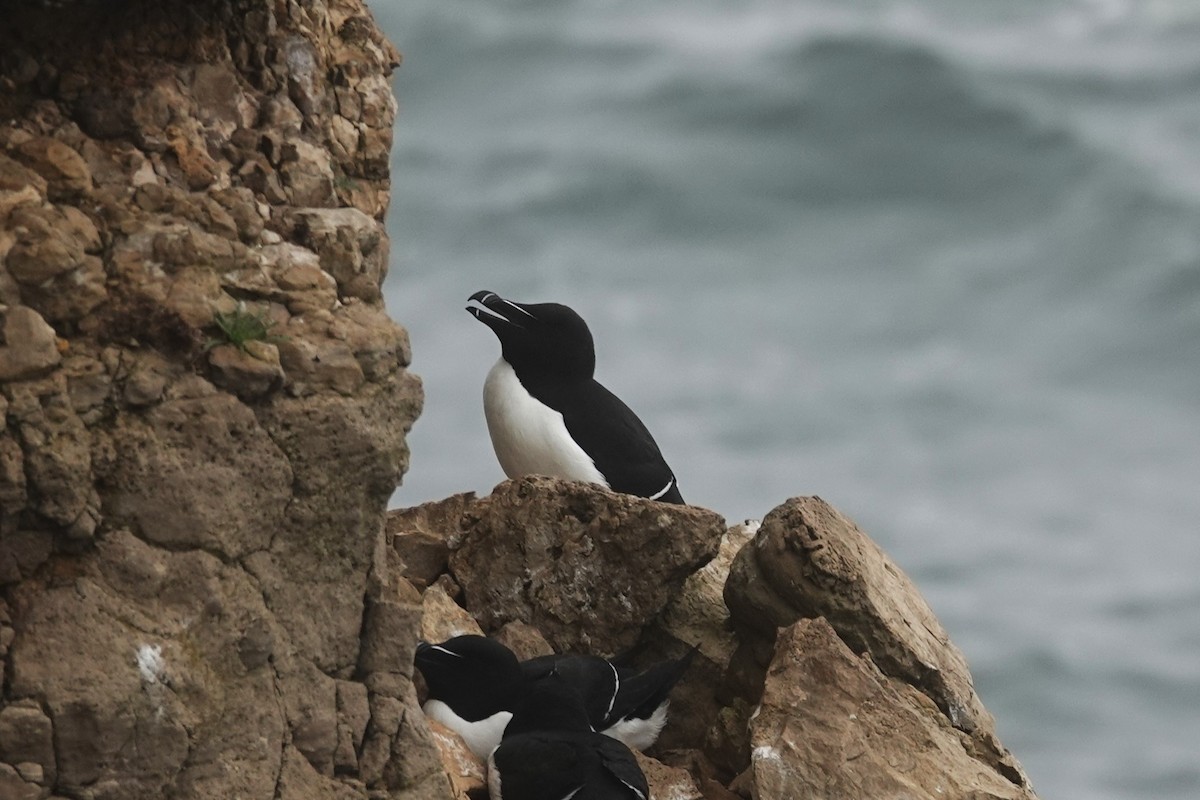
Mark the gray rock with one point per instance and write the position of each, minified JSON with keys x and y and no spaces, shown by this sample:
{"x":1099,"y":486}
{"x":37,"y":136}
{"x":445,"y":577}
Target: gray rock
{"x":354,"y":713}
{"x":66,"y":173}
{"x":809,"y":561}
{"x":57,"y":455}
{"x":350,"y":244}
{"x":831,"y":725}
{"x":198,"y":473}
{"x":27,"y":736}
{"x":587,"y":567}
{"x":252,"y":371}
{"x":29,"y":347}
{"x":14,"y":787}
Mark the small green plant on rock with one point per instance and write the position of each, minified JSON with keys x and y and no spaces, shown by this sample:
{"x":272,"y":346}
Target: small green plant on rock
{"x":241,"y":326}
{"x":344,"y":183}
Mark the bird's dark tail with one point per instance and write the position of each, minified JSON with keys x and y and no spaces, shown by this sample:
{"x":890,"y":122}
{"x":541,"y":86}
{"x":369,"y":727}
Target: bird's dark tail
{"x":643,"y":693}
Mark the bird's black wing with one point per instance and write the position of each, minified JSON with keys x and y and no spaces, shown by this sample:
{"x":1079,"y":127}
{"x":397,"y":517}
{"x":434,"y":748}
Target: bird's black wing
{"x":540,"y":766}
{"x":618,"y":762}
{"x":540,"y":666}
{"x":550,"y":765}
{"x":618,"y":442}
{"x":643,"y":693}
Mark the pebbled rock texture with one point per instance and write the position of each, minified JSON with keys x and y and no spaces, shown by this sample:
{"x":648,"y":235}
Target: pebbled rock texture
{"x":203,"y":407}
{"x":588,"y":568}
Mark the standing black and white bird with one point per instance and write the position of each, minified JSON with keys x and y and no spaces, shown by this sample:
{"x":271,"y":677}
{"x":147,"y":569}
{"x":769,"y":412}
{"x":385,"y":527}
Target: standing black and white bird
{"x":475,"y":684}
{"x":550,"y":752}
{"x":547,"y":414}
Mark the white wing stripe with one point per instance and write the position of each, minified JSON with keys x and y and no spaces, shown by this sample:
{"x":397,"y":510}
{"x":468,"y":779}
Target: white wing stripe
{"x":634,"y":789}
{"x":616,"y":688}
{"x":663,"y":490}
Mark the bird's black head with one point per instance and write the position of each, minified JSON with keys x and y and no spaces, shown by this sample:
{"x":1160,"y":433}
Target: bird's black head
{"x":474,"y":675}
{"x":538,"y":338}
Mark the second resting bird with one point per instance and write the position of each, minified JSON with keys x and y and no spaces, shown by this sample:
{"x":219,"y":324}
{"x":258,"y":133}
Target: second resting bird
{"x":547,"y":414}
{"x":550,"y":752}
{"x":475,"y":684}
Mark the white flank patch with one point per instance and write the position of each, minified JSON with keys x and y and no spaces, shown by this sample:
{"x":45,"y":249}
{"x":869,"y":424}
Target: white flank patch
{"x":639,"y":733}
{"x":150,"y":663}
{"x":481,"y":736}
{"x":493,"y":778}
{"x":529,"y":437}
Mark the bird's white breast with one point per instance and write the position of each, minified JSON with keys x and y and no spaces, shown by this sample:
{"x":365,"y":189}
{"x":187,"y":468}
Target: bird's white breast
{"x":481,"y":736}
{"x":529,"y":437}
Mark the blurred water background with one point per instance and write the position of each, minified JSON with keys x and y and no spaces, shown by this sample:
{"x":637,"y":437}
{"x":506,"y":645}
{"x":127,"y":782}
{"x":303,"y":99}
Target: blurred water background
{"x":937,"y":261}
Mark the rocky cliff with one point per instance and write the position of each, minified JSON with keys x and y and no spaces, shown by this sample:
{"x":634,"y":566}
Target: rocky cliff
{"x":821,"y":670}
{"x":204,"y":408}
{"x":203,"y":405}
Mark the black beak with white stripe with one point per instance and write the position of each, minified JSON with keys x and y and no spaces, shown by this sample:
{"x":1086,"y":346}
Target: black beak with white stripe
{"x":546,"y":413}
{"x":549,"y":752}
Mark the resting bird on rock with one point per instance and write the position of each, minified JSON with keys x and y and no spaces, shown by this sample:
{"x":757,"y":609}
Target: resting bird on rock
{"x":548,"y":415}
{"x":476,"y":683}
{"x":550,"y":752}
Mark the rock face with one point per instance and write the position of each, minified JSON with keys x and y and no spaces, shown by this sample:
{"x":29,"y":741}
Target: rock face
{"x":587,"y":568}
{"x":809,"y":561}
{"x":195,"y":599}
{"x":821,"y":672}
{"x":832,"y":725}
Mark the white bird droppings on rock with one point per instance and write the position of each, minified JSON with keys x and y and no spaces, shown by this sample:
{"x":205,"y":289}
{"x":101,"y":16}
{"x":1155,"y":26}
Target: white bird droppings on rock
{"x":150,"y":663}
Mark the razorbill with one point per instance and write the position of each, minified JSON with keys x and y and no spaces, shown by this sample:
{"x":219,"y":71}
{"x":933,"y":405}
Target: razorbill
{"x":550,"y":752}
{"x":546,"y":413}
{"x":475,"y":683}
{"x":620,"y":702}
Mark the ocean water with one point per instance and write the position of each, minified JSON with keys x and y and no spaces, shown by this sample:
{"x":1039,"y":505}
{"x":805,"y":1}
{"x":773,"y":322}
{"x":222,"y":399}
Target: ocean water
{"x":937,"y":261}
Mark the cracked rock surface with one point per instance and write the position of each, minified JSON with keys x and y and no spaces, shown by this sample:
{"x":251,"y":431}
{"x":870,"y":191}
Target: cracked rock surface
{"x":195,"y":600}
{"x":820,"y":670}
